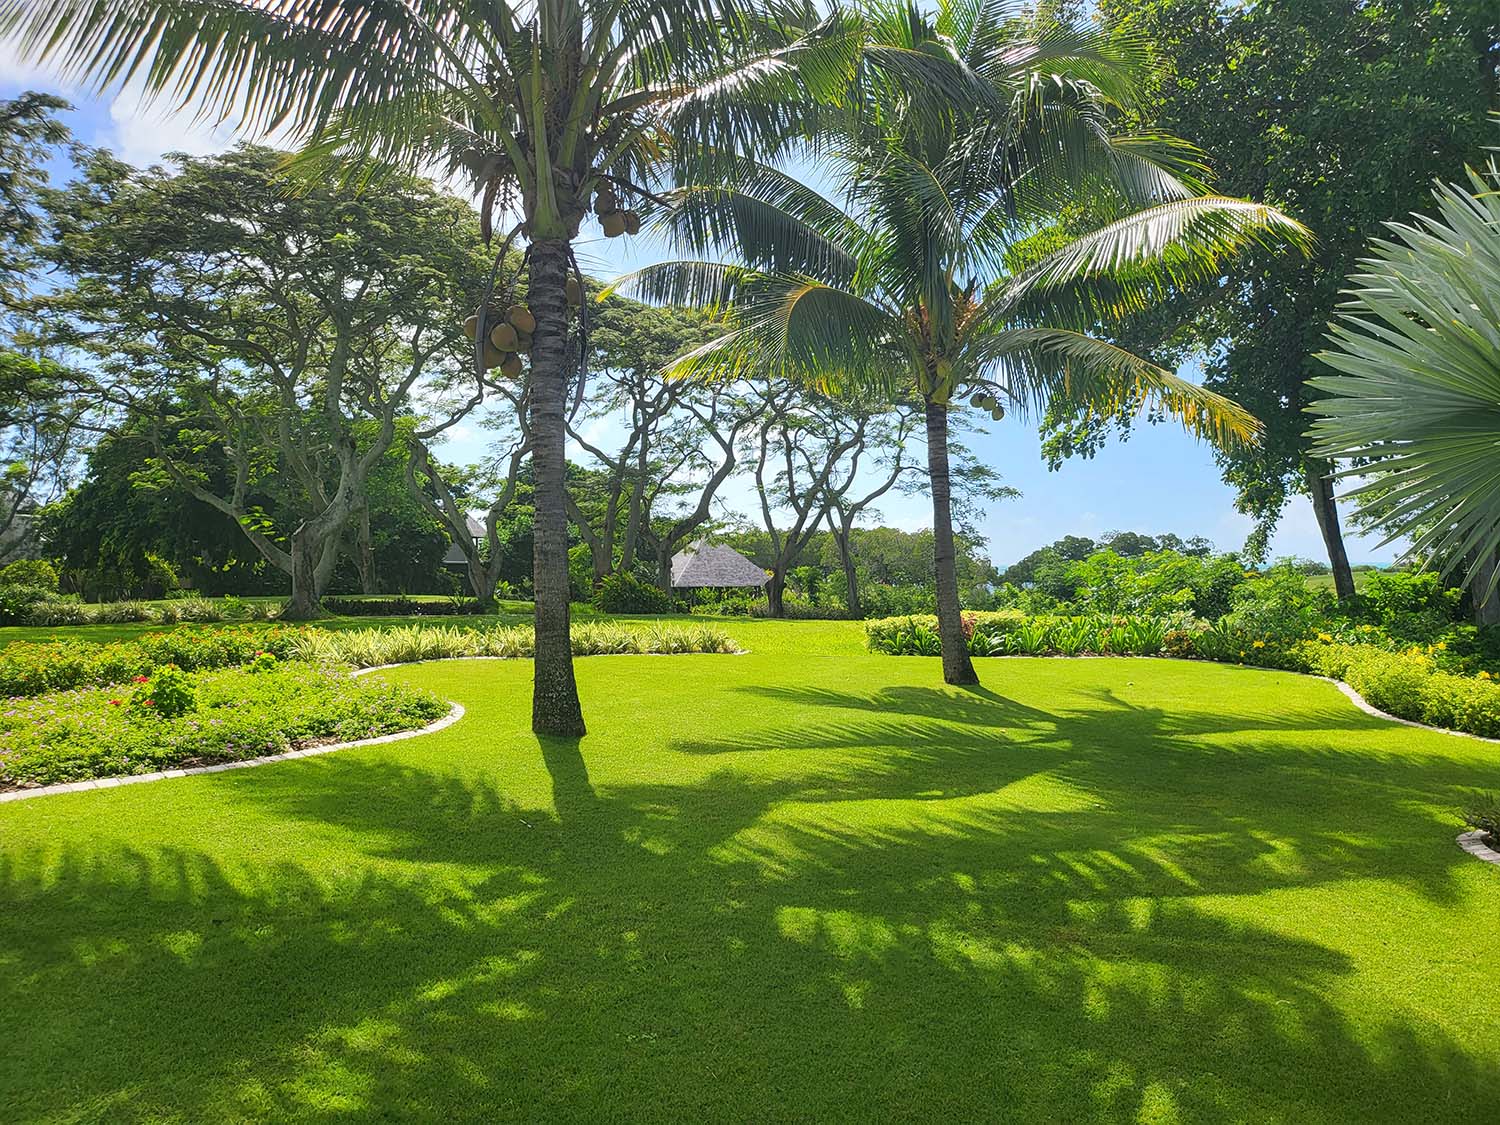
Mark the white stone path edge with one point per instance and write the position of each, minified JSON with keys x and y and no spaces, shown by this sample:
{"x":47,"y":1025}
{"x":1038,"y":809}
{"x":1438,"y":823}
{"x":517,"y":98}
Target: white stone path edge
{"x":455,"y":713}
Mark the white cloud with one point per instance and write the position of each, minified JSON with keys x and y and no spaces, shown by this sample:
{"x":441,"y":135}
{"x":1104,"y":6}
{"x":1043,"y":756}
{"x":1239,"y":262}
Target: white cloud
{"x":18,"y":72}
{"x":141,"y":131}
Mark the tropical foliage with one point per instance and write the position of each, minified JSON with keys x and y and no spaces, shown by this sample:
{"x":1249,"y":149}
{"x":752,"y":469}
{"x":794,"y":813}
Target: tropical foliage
{"x":1342,"y":113}
{"x":1415,"y":406}
{"x":928,"y":281}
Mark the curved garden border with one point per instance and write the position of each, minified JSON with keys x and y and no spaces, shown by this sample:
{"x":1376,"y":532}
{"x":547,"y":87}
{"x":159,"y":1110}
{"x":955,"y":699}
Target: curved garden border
{"x":1473,"y":843}
{"x":455,"y":712}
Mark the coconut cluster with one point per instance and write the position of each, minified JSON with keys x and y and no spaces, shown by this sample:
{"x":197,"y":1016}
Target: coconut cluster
{"x":986,"y":401}
{"x":508,"y":339}
{"x":612,"y":218}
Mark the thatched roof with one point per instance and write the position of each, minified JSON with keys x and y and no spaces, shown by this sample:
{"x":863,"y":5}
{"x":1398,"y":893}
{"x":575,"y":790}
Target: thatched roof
{"x":702,"y":565}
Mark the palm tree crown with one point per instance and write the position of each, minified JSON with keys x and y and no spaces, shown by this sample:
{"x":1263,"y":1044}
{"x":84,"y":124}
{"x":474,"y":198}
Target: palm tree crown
{"x":924,"y":279}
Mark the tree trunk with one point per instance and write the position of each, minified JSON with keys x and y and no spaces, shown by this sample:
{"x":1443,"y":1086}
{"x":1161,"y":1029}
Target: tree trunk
{"x":364,"y":559}
{"x":1319,"y":480}
{"x":776,"y":594}
{"x":305,"y":604}
{"x":555,"y":709}
{"x":841,"y":537}
{"x":1486,"y":604}
{"x":957,"y":667}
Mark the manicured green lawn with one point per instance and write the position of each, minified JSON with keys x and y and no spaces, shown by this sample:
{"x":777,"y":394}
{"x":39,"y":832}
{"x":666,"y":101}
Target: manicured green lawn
{"x":805,"y":883}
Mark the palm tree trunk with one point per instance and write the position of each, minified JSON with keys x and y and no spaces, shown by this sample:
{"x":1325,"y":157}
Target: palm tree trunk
{"x":1319,"y":479}
{"x":555,"y":709}
{"x":957,"y":667}
{"x":1486,"y":604}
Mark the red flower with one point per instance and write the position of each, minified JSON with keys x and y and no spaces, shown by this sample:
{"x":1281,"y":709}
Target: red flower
{"x":150,"y":703}
{"x":142,"y":679}
{"x":114,"y":702}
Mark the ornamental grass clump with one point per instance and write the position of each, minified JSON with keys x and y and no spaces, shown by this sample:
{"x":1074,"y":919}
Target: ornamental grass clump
{"x":405,"y":644}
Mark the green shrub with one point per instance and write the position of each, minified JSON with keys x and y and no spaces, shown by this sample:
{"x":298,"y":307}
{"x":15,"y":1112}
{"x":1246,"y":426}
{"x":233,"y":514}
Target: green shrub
{"x":880,"y":599}
{"x":1410,"y":685}
{"x":728,"y":605}
{"x":1010,"y":632}
{"x":18,"y":603}
{"x":1409,"y":605}
{"x":30,"y":572}
{"x":369,"y":648}
{"x":1279,"y":609}
{"x":92,"y":732}
{"x":797,"y":609}
{"x":625,"y":593}
{"x":167,"y":693}
{"x":400,"y":606}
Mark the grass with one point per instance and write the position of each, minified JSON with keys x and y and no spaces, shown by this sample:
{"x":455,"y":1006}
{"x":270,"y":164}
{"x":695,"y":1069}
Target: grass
{"x":807,"y":883}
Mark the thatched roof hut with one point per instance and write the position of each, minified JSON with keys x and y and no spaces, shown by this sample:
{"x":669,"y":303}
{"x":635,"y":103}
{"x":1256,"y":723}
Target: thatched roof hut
{"x":702,"y":567}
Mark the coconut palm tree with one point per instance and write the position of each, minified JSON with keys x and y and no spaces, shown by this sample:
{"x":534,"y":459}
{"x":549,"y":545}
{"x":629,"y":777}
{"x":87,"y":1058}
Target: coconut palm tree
{"x":1416,"y":403}
{"x":943,"y":272}
{"x":550,"y":108}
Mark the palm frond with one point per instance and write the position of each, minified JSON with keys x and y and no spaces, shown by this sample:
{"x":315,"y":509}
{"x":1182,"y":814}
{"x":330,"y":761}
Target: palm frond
{"x":1179,"y":243}
{"x":1037,"y":366}
{"x":292,"y":64}
{"x":1416,"y":401}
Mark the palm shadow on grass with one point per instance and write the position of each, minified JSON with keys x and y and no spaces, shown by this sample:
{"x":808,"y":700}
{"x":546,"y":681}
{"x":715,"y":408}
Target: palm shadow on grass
{"x":805,"y":944}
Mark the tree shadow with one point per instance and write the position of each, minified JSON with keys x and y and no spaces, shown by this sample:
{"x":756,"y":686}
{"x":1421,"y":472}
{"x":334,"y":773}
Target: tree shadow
{"x":970,"y":909}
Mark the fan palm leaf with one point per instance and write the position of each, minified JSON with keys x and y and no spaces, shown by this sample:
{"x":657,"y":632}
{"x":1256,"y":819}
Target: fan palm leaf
{"x":1415,"y":403}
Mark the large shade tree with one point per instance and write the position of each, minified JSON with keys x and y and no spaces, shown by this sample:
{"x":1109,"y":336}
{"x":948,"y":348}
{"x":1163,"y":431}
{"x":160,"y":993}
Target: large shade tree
{"x":929,"y":278}
{"x":1415,"y":406}
{"x":545,"y":107}
{"x":1343,"y":112}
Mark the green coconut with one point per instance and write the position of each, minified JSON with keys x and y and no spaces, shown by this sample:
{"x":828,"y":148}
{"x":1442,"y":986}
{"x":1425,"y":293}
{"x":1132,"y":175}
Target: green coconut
{"x":510,"y":367}
{"x":504,"y":336}
{"x":632,"y":222}
{"x":574,"y":292}
{"x":613,"y":224}
{"x":521,"y":317}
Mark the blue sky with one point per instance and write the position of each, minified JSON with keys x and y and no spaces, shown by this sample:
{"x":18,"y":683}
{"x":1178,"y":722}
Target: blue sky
{"x":1160,"y":480}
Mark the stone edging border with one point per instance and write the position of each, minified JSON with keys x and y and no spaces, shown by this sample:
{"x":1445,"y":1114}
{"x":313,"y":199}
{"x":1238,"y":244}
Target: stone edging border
{"x":1473,"y":843}
{"x":1369,"y":709}
{"x":455,"y":713}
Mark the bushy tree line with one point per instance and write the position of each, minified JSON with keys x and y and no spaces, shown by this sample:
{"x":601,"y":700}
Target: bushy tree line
{"x":267,"y":382}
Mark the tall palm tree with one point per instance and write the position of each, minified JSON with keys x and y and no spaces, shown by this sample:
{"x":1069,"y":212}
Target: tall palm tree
{"x":938,"y":275}
{"x":546,"y":106}
{"x":1416,"y":401}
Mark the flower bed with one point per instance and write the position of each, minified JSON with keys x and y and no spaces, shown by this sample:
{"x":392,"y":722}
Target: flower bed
{"x":1416,"y":682}
{"x":31,"y":668}
{"x":172,"y":719}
